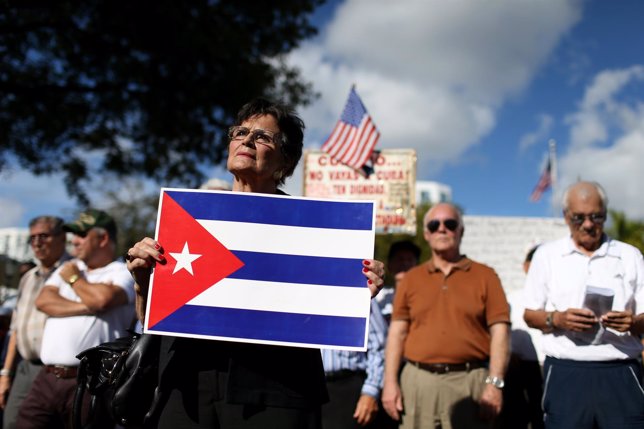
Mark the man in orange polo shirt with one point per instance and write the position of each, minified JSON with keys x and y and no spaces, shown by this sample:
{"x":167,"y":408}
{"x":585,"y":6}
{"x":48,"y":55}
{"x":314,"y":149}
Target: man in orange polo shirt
{"x":451,"y":324}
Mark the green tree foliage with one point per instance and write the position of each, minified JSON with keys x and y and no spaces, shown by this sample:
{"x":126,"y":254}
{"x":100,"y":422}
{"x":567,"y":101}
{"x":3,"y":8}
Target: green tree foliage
{"x":134,"y":210}
{"x":139,"y":88}
{"x":135,"y":213}
{"x":626,"y":230}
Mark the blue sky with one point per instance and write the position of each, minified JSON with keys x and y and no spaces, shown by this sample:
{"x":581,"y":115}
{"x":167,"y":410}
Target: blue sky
{"x":477,"y":88}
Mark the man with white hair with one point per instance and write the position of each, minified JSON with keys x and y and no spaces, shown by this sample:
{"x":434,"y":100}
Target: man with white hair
{"x":586,"y":293}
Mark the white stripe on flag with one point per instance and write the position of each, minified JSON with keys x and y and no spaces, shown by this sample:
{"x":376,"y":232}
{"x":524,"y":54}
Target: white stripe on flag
{"x":290,"y":240}
{"x":285,"y":298}
{"x":361,"y":146}
{"x":370,"y":143}
{"x":354,"y":147}
{"x":339,"y":140}
{"x":346,"y":144}
{"x":330,"y":144}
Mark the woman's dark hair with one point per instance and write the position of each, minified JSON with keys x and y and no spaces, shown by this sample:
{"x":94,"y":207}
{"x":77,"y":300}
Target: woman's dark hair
{"x":291,"y":130}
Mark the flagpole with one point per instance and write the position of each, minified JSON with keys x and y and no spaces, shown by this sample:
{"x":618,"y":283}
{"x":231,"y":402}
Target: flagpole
{"x":552,"y":153}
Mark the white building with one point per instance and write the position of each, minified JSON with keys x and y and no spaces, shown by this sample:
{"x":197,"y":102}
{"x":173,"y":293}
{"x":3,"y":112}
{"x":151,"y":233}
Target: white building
{"x":14,"y":248}
{"x":14,"y":245}
{"x":502,"y":243}
{"x":428,"y":192}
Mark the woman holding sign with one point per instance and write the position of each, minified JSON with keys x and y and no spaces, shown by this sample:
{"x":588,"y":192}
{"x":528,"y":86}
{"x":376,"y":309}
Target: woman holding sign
{"x":218,"y":384}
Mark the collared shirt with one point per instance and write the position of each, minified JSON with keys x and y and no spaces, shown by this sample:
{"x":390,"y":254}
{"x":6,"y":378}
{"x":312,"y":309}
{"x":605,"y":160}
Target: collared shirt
{"x":372,"y":361}
{"x":26,"y":319}
{"x":450,"y":315}
{"x":558,"y":279}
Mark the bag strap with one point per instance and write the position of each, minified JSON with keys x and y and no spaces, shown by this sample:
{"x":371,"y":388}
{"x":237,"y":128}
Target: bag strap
{"x":81,"y":381}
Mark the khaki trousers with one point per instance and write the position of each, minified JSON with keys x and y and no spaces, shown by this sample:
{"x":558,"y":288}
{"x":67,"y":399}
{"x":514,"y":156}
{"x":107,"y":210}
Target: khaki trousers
{"x":446,"y":401}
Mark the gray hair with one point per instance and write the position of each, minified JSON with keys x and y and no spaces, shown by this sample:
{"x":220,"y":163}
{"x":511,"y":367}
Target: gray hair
{"x":54,"y":222}
{"x":565,"y":200}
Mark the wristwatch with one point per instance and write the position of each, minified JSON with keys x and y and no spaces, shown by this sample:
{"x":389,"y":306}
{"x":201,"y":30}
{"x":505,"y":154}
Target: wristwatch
{"x":550,"y":320}
{"x":72,"y":279}
{"x":495,"y":381}
{"x":5,"y":372}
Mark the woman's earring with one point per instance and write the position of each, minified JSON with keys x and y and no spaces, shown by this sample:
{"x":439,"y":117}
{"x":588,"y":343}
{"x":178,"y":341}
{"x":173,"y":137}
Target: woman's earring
{"x":277,"y":176}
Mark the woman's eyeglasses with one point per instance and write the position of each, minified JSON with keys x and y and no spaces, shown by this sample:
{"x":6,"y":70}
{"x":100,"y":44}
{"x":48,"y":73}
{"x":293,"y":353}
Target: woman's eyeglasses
{"x":433,"y":225}
{"x":258,"y":136}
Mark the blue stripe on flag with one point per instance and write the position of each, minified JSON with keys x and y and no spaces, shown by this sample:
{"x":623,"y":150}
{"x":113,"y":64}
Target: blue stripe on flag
{"x":276,"y":211}
{"x":266,"y":325}
{"x":300,"y":269}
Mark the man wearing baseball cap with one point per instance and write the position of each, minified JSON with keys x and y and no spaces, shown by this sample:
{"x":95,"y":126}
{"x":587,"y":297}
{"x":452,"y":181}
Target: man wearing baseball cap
{"x":89,"y":300}
{"x":92,"y":218}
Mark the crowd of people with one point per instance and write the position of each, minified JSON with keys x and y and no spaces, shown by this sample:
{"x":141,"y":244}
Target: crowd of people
{"x":439,"y":351}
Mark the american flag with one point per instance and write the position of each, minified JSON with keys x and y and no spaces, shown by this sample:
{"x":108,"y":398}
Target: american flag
{"x":545,"y":181}
{"x":355,"y":135}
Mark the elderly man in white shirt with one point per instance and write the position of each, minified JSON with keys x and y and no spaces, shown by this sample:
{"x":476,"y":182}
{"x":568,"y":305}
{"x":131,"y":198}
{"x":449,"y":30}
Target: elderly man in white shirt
{"x":586,"y":293}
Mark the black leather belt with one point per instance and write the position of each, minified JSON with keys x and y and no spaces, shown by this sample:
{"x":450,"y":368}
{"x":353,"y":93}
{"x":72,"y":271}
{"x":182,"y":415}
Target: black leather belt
{"x":444,"y":368}
{"x":342,"y":373}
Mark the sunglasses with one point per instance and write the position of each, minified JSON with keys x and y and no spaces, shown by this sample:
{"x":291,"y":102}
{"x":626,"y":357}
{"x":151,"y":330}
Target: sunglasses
{"x":578,"y":219}
{"x":433,"y":225}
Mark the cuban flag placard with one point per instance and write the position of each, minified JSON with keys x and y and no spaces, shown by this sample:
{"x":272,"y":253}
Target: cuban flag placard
{"x":260,"y":268}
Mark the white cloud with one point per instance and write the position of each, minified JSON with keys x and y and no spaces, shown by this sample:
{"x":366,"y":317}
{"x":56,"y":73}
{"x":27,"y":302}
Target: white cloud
{"x":26,"y":196}
{"x":607,"y":84}
{"x":607,"y":140}
{"x":483,"y":48}
{"x":432,"y":74}
{"x":541,"y":134}
{"x":12,"y":212}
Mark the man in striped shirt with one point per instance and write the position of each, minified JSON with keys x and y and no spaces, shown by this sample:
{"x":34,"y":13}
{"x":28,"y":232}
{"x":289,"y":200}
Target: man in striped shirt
{"x":354,"y":379}
{"x":47,"y":240}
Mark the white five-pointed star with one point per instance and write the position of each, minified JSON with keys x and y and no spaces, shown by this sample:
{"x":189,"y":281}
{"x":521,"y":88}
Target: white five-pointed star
{"x":184,"y":259}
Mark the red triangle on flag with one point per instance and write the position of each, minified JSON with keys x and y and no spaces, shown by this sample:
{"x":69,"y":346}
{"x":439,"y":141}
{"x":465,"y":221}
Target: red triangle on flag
{"x":173,"y":285}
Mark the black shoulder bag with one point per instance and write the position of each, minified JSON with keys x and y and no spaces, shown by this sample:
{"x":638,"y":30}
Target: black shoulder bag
{"x":121,"y":378}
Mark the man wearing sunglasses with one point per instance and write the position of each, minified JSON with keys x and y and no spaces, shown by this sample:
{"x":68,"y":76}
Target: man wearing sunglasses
{"x":585,"y":292}
{"x":89,"y":301}
{"x":451,"y":324}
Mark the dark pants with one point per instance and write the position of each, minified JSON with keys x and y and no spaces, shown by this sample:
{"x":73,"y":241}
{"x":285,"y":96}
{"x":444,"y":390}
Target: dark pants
{"x":344,"y":391}
{"x":522,"y":396}
{"x":593,"y":395}
{"x":49,"y":403}
{"x":200,"y":403}
{"x":26,"y":372}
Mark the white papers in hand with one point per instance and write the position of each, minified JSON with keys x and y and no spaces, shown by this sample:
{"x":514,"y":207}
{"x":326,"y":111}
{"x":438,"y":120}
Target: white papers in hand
{"x":599,"y":300}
